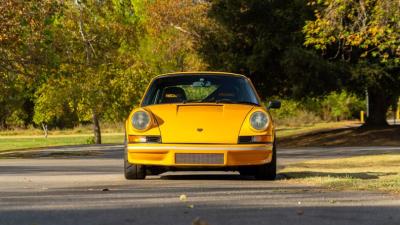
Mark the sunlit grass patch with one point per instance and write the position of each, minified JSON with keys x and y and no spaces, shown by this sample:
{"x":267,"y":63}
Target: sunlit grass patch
{"x":374,"y":173}
{"x":13,"y":142}
{"x":81,"y":129}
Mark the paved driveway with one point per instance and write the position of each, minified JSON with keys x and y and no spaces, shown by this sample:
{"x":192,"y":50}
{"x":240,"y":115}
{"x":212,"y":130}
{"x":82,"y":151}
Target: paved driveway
{"x":89,"y":188}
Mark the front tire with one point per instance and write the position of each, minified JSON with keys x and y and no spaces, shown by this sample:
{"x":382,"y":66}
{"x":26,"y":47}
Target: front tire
{"x":133,"y":171}
{"x":267,"y":171}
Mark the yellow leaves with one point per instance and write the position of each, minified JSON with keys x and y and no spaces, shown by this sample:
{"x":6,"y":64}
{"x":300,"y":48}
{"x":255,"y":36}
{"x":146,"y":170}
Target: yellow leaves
{"x":385,"y":55}
{"x":363,"y":24}
{"x":355,"y":39}
{"x":374,"y":30}
{"x":183,"y":198}
{"x":364,"y":54}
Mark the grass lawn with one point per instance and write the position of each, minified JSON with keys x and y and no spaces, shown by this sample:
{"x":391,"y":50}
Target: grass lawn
{"x":374,"y":173}
{"x":318,"y":127}
{"x":26,"y":142}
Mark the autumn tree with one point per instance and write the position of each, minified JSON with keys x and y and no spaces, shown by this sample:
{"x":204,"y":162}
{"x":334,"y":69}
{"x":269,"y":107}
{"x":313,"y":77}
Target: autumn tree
{"x":24,"y":57}
{"x":94,"y":42}
{"x":169,"y":41}
{"x":263,"y":40}
{"x":365,"y":34}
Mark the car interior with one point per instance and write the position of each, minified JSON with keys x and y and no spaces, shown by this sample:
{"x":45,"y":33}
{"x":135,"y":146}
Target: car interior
{"x":173,"y":95}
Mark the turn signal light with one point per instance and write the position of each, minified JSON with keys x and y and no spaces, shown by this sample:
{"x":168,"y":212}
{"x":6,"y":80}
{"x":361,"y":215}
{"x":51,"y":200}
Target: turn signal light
{"x":144,"y":139}
{"x":255,"y":139}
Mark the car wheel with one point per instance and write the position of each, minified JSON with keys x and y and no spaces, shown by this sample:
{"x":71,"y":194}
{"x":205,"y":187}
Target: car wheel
{"x":267,"y":171}
{"x":133,"y":171}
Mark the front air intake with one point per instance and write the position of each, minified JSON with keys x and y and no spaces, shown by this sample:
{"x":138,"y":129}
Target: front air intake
{"x":199,"y":158}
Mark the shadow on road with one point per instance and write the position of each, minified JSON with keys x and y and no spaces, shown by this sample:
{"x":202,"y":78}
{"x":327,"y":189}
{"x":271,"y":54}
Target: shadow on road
{"x":310,"y":174}
{"x":210,"y":214}
{"x":211,"y":177}
{"x":205,"y":177}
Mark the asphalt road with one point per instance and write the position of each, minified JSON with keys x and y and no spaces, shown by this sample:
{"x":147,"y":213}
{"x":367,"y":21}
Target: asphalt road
{"x":89,"y":188}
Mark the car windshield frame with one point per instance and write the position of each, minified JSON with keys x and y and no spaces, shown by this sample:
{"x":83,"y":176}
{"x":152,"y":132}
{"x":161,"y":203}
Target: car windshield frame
{"x":154,"y":90}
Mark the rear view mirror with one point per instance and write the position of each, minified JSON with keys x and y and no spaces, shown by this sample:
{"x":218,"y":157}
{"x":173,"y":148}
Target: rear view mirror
{"x":274,"y":105}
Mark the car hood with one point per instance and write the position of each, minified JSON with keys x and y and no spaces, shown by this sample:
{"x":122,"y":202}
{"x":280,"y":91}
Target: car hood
{"x":200,"y":123}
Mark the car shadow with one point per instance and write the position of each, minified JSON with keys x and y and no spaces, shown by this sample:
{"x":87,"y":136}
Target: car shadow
{"x":210,"y":177}
{"x":204,"y":177}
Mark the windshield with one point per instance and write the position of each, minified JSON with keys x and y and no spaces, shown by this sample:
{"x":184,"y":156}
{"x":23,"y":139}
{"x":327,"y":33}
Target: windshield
{"x":200,"y":89}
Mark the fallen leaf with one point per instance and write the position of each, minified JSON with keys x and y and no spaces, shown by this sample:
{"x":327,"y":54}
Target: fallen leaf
{"x":183,"y":198}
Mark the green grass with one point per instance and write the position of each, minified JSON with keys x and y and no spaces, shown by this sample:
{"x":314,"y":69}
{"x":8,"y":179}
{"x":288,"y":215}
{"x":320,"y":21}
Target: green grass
{"x":373,"y":173}
{"x":15,"y":142}
{"x":289,"y":131}
{"x":106,"y":128}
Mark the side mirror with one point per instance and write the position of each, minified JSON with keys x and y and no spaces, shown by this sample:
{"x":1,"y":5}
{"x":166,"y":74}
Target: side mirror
{"x":274,"y":105}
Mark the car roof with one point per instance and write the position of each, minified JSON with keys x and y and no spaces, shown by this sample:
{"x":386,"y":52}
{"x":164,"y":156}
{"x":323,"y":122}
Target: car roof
{"x":199,"y":73}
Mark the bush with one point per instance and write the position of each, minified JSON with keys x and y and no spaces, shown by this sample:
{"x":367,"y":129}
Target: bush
{"x":335,"y":106}
{"x":90,"y":141}
{"x":293,"y":114}
{"x":341,"y":106}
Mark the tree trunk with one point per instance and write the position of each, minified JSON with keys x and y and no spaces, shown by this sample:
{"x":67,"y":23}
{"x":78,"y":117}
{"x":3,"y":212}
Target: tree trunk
{"x":96,"y":128}
{"x":3,"y":124}
{"x":379,"y":104}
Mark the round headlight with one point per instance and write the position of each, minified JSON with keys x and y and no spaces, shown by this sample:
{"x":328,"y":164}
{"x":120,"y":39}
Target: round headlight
{"x":141,"y":120}
{"x":259,"y":120}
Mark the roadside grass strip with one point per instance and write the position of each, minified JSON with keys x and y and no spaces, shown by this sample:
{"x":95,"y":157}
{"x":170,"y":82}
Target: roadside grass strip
{"x":317,"y":127}
{"x":372,"y":173}
{"x":16,"y":143}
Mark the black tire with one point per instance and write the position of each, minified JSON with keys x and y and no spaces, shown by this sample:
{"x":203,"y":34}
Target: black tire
{"x":267,"y":171}
{"x":133,"y":171}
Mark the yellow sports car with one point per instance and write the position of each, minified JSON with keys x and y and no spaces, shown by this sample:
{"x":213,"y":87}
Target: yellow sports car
{"x":200,"y":121}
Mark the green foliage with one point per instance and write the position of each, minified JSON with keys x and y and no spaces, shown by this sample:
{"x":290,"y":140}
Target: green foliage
{"x":372,"y":27}
{"x":289,"y":108}
{"x":334,"y":106}
{"x":11,"y":98}
{"x":107,"y":54}
{"x":263,"y":40}
{"x":90,"y":140}
{"x":66,"y":63}
{"x":94,"y":43}
{"x":197,"y":93}
{"x":293,"y":114}
{"x":364,"y":35}
{"x":341,"y":106}
{"x":57,"y":102}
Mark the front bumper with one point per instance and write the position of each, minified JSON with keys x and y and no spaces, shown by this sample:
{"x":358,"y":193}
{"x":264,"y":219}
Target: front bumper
{"x":214,"y":155}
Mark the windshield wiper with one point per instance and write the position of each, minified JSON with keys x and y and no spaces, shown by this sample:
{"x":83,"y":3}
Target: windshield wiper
{"x":224,"y":101}
{"x":235,"y":102}
{"x":246,"y":103}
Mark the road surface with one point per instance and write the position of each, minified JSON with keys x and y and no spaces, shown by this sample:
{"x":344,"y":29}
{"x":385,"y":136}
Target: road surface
{"x":89,"y":189}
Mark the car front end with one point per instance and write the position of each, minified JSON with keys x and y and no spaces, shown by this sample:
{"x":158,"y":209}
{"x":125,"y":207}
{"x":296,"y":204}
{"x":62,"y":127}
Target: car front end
{"x":200,"y":130}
